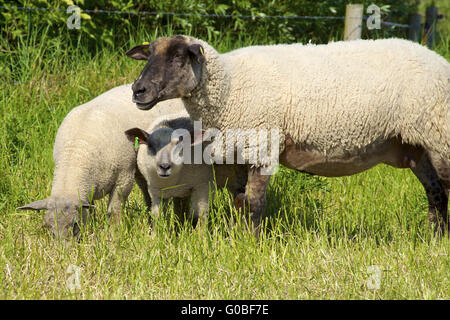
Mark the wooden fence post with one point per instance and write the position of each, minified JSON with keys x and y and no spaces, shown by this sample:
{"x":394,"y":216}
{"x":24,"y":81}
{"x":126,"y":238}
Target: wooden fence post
{"x":353,"y":21}
{"x":431,"y":18}
{"x":414,"y":32}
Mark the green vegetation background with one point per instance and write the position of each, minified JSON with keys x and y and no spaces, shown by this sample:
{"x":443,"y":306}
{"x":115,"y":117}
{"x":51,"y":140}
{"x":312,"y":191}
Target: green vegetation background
{"x":323,"y":235}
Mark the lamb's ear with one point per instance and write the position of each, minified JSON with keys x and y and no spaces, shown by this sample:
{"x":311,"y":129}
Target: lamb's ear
{"x":140,"y":52}
{"x":36,"y":205}
{"x":197,"y":52}
{"x":134,"y":133}
{"x":197,"y":137}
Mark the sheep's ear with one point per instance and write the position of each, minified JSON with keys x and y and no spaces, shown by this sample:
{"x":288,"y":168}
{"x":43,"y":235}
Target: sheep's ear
{"x":197,"y":52}
{"x":140,"y":52}
{"x":197,"y":137}
{"x":134,"y":133}
{"x":36,"y":205}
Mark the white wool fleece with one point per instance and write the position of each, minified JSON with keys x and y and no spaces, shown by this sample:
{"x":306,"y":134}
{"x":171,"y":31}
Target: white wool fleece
{"x":91,"y":151}
{"x":332,"y":98}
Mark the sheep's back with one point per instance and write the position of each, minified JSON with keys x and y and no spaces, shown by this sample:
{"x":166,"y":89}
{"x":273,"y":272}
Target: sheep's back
{"x":91,"y":147}
{"x":344,"y":94}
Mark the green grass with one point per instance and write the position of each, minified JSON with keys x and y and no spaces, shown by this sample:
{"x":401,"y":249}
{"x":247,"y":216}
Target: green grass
{"x":321,"y":234}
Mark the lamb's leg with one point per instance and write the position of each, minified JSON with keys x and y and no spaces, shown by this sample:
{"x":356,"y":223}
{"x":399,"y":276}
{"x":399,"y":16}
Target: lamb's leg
{"x":200,"y":203}
{"x":254,"y":197}
{"x":436,"y":192}
{"x":158,"y":209}
{"x":117,"y":199}
{"x":142,"y":184}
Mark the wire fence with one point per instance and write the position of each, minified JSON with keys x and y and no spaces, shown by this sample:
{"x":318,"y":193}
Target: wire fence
{"x":391,"y":25}
{"x":200,"y":15}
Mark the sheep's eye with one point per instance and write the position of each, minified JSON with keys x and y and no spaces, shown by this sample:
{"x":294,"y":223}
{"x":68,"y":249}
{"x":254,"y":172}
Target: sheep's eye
{"x":177,"y":56}
{"x":151,"y":148}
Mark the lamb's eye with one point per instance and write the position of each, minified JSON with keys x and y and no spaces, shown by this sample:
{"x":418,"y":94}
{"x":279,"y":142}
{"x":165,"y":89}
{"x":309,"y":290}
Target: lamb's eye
{"x":151,"y":148}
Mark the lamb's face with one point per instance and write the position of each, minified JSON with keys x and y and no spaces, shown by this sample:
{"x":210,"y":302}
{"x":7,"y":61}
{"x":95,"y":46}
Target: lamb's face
{"x":173,"y":70}
{"x":62,"y":215}
{"x":166,"y":152}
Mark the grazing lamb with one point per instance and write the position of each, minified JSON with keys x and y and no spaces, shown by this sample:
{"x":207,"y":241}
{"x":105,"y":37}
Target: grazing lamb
{"x":171,"y":173}
{"x":340,"y":108}
{"x":93,"y":158}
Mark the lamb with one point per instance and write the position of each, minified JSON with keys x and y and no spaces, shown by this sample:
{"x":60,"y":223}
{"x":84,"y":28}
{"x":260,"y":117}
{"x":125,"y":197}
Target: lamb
{"x":340,"y":108}
{"x":93,"y":158}
{"x":170,"y":171}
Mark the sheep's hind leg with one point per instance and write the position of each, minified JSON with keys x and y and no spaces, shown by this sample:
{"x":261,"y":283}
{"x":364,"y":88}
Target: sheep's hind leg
{"x":241,"y":173}
{"x":436,"y":192}
{"x":443,"y":170}
{"x":254,"y":197}
{"x":442,"y":167}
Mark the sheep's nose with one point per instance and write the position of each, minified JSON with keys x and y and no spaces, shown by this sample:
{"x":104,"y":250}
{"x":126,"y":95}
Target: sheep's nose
{"x":165,"y":166}
{"x":138,"y":90}
{"x":138,"y":93}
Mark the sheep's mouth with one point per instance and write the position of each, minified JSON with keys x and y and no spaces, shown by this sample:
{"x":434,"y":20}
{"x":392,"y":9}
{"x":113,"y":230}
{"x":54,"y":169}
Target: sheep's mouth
{"x":146,"y":105}
{"x":164,"y":175}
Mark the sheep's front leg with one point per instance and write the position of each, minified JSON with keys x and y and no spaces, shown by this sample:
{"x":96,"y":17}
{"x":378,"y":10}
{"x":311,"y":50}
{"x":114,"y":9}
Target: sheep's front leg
{"x":200,"y":203}
{"x":156,"y":207}
{"x":254,"y":197}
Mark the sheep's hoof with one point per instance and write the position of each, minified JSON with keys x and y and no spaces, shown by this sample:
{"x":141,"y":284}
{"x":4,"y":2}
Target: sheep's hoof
{"x":252,"y":219}
{"x":241,"y":201}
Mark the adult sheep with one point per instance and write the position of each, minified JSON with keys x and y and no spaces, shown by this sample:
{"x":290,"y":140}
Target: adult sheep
{"x":340,"y":108}
{"x":93,"y":158}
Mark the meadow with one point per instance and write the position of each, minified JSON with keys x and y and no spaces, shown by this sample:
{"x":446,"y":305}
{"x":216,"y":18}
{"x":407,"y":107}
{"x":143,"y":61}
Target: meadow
{"x":360,"y":237}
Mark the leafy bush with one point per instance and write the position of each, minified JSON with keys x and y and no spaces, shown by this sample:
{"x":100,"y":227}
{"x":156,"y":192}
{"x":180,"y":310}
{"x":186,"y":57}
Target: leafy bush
{"x":99,"y":29}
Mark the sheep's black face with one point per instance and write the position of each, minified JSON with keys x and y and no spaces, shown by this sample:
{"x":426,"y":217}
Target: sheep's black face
{"x":173,"y":70}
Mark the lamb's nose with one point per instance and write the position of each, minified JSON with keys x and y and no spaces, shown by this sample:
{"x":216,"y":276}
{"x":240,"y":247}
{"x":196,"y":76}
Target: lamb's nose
{"x":165,"y":166}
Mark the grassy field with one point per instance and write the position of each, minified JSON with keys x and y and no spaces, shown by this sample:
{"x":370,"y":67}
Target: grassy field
{"x":359,"y":237}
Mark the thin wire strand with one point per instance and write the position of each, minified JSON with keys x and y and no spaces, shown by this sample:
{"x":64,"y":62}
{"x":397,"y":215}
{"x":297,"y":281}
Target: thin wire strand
{"x":201,"y":15}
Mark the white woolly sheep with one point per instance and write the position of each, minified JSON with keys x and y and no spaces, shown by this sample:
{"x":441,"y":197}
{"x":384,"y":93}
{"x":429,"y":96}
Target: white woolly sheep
{"x":171,"y":172}
{"x":93,"y":158}
{"x":340,"y":108}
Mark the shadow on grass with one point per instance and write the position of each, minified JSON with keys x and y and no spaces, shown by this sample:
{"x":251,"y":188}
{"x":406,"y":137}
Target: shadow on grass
{"x":297,"y":204}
